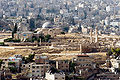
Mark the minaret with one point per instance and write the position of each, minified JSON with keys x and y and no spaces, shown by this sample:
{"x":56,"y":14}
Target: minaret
{"x":96,"y":35}
{"x":91,"y":39}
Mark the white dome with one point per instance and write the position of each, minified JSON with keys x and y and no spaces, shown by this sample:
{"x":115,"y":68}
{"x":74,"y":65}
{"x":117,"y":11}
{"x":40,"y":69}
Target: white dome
{"x":46,"y":25}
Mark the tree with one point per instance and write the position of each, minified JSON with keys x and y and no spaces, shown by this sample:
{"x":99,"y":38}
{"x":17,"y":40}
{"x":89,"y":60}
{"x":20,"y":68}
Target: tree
{"x":54,"y":70}
{"x":29,"y":58}
{"x":1,"y":62}
{"x":32,"y":23}
{"x":11,"y":40}
{"x":40,"y":17}
{"x":47,"y":37}
{"x":72,"y":21}
{"x":41,"y":37}
{"x":109,"y":53}
{"x":66,"y":29}
{"x":72,"y":66}
{"x":2,"y":44}
{"x":34,"y":38}
{"x":62,"y":32}
{"x":79,"y":29}
{"x":14,"y":30}
{"x":116,"y":52}
{"x":13,"y":69}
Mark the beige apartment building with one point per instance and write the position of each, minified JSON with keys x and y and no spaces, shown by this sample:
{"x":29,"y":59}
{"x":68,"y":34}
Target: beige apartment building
{"x":62,"y":65}
{"x":83,"y":63}
{"x":39,"y":67}
{"x":36,"y":70}
{"x":41,"y":59}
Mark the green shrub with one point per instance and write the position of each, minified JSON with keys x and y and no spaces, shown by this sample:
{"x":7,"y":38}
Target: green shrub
{"x":1,"y":61}
{"x":8,"y":40}
{"x":62,"y":32}
{"x":72,"y":66}
{"x":16,"y":40}
{"x":11,"y":40}
{"x":114,"y":51}
{"x":13,"y":69}
{"x":29,"y":58}
{"x":1,"y":43}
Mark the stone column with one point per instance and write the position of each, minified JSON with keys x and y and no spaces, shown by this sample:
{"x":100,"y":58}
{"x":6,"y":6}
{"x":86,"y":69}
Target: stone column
{"x":91,"y":39}
{"x":96,"y":35}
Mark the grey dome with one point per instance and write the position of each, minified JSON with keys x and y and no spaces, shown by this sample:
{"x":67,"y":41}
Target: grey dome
{"x":47,"y":25}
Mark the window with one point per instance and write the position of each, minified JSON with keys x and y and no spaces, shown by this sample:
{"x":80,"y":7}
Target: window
{"x":37,"y":71}
{"x":55,"y":78}
{"x":37,"y":66}
{"x":46,"y":66}
{"x":23,"y":65}
{"x":62,"y":77}
{"x":33,"y":71}
{"x":33,"y":67}
{"x":66,"y":61}
{"x":37,"y":57}
{"x":42,"y":67}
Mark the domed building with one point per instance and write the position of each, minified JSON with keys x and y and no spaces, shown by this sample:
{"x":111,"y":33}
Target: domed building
{"x":48,"y":28}
{"x":47,"y":25}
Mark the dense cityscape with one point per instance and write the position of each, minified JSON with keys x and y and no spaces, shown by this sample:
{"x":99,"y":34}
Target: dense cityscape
{"x":59,"y":39}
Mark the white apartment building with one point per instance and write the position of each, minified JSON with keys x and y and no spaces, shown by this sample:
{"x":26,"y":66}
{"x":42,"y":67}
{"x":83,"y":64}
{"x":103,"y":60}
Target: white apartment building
{"x":115,"y":62}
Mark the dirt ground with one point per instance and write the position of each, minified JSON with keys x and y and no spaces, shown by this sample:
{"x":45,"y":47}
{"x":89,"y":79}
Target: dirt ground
{"x":5,"y":53}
